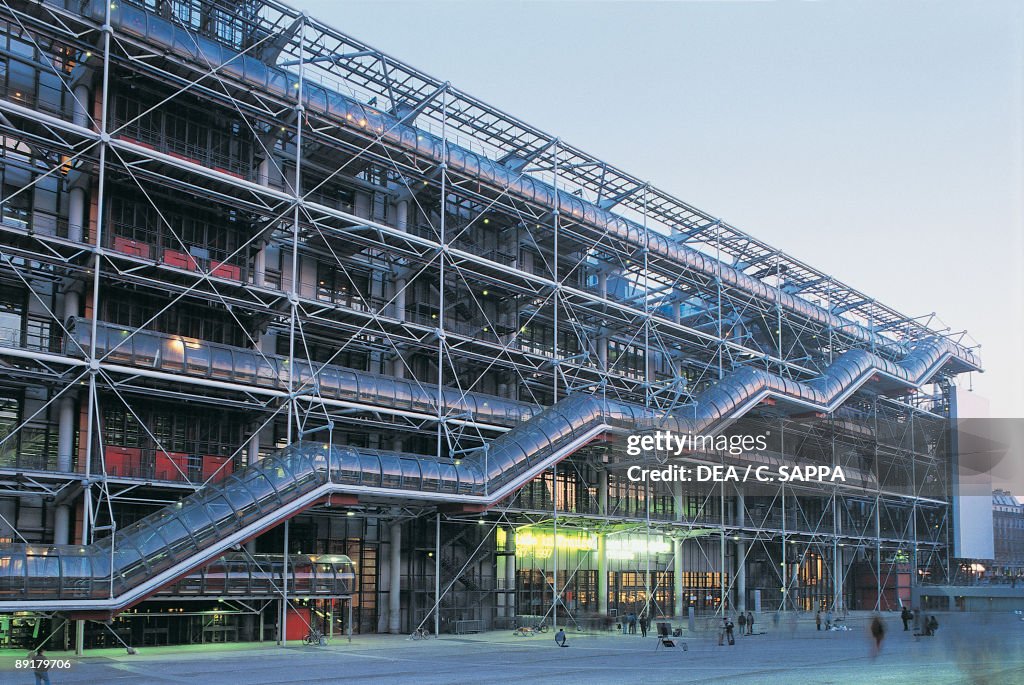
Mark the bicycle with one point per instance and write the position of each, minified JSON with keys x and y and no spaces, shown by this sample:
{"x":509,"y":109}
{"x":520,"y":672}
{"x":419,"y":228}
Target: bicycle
{"x":313,"y":637}
{"x":421,"y":634}
{"x":530,"y":631}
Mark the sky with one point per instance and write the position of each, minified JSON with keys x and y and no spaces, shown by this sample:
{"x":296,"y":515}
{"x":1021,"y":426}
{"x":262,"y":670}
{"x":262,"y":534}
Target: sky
{"x":879,"y":142}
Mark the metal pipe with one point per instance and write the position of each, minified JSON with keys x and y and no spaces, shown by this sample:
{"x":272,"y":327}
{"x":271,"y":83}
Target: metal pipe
{"x":395,"y":582}
{"x":437,"y":576}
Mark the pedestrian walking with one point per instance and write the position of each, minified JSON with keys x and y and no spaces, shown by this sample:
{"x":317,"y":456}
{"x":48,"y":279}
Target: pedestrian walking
{"x":644,"y":623}
{"x":728,"y":632}
{"x":750,"y":623}
{"x":877,"y":634}
{"x":905,"y":616}
{"x":632,"y":623}
{"x":933,"y":625}
{"x":41,"y":667}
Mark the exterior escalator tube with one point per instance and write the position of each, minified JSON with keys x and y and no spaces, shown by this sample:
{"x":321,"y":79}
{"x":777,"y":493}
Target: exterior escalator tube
{"x":191,"y":532}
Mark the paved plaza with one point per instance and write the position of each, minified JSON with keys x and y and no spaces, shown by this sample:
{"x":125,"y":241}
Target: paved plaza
{"x":970,"y":649}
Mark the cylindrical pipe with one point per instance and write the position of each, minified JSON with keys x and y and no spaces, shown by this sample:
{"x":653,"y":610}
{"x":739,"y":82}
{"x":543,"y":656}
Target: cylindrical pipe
{"x":510,"y":572}
{"x":741,"y":576}
{"x":602,"y":549}
{"x":602,"y":339}
{"x":254,"y":448}
{"x":402,"y":215}
{"x":62,"y":525}
{"x":741,"y":554}
{"x":282,"y":633}
{"x":79,"y":637}
{"x":80,"y":106}
{"x":437,"y":577}
{"x":66,"y":430}
{"x":76,"y":213}
{"x":677,"y":578}
{"x":395,"y":580}
{"x":602,"y":574}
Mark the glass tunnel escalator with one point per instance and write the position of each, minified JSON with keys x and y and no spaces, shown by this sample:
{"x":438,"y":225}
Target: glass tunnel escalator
{"x":142,"y":558}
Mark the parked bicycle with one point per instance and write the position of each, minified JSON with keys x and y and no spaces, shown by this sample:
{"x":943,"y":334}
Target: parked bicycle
{"x":530,"y":631}
{"x":421,"y":634}
{"x":313,"y":637}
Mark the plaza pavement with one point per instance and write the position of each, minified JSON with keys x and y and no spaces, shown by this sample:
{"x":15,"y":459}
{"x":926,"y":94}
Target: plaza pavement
{"x":973,"y":649}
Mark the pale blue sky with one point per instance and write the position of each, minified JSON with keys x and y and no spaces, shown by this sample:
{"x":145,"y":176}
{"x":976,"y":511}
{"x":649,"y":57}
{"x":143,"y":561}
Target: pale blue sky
{"x":878,"y":141}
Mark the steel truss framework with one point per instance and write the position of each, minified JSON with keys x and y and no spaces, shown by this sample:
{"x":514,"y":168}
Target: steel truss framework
{"x":155,"y":191}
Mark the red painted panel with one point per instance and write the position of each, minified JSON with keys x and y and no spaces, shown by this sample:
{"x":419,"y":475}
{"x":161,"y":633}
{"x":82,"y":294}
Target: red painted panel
{"x":297,"y":623}
{"x":182,"y":260}
{"x":217,"y":467}
{"x":132,"y":247}
{"x":125,"y":462}
{"x":165,"y":466}
{"x":222,"y":270}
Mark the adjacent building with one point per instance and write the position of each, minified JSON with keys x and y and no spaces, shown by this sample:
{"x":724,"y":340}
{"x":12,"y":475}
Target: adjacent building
{"x":1008,"y":534}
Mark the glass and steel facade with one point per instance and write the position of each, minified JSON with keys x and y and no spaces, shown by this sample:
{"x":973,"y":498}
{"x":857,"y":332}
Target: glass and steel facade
{"x":254,"y":271}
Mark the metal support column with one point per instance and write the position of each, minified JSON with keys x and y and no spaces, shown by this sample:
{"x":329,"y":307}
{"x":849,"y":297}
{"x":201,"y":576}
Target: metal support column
{"x":282,"y":632}
{"x":741,"y":554}
{"x":602,"y":549}
{"x":510,"y":572}
{"x":395,"y":581}
{"x":437,"y":577}
{"x":677,"y":551}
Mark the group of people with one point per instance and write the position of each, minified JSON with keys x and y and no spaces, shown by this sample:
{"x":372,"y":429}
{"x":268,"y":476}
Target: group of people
{"x":630,"y":622}
{"x":746,"y":622}
{"x":828,"y":619}
{"x":931,"y":624}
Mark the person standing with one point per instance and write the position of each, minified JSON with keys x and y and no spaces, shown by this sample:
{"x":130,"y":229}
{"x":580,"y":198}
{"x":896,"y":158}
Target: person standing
{"x":905,"y":616}
{"x":828,"y":620}
{"x":644,"y":623}
{"x":817,"y":619}
{"x":743,"y":623}
{"x":41,"y":667}
{"x":750,"y":623}
{"x":728,"y":632}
